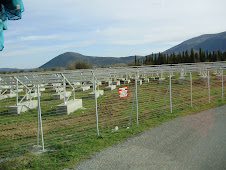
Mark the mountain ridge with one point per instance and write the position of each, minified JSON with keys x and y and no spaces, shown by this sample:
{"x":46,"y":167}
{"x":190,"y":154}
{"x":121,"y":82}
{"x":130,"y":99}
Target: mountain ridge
{"x":210,"y":42}
{"x":62,"y":60}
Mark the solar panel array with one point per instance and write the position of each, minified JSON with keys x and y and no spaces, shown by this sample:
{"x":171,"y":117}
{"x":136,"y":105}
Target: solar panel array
{"x":75,"y":105}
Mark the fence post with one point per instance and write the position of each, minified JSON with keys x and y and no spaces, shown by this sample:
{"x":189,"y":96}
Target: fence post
{"x":38,"y":122}
{"x":222,"y":79}
{"x":40,"y":119}
{"x":208,"y":84}
{"x":17,"y":92}
{"x":191,"y":87}
{"x":64,"y":89}
{"x":171,"y":107}
{"x":136,"y":78}
{"x":94,"y":88}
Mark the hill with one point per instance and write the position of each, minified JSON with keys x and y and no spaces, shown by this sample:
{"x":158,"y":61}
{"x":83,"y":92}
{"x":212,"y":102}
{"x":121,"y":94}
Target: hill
{"x":12,"y":69}
{"x":63,"y":59}
{"x":210,"y":42}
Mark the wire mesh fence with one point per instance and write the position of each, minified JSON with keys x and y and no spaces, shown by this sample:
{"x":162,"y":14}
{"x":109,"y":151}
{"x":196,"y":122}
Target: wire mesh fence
{"x":44,"y":111}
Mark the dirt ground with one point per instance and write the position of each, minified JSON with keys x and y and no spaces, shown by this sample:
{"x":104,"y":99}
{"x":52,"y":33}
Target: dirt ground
{"x":108,"y":110}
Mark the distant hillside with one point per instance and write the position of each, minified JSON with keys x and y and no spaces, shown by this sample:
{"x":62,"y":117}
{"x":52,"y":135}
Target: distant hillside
{"x":11,"y":69}
{"x":63,"y":59}
{"x":210,"y":42}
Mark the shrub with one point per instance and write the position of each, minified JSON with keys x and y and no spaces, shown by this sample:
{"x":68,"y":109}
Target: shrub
{"x":78,"y":65}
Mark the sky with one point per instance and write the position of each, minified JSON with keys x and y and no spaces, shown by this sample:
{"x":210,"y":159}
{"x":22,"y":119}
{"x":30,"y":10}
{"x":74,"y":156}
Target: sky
{"x":107,"y":28}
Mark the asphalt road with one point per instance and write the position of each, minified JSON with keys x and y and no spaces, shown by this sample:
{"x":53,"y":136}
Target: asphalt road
{"x":190,"y":142}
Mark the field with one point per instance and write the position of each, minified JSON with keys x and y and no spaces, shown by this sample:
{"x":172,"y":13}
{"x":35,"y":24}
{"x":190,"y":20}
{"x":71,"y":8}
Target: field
{"x":71,"y":138}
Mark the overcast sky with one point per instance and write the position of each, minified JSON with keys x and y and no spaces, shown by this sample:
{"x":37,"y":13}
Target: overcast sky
{"x":115,"y":28}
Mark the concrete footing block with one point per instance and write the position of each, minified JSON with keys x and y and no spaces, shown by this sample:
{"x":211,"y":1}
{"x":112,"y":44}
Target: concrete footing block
{"x":76,"y":83}
{"x":122,"y":79}
{"x":98,"y":93}
{"x":139,"y":82}
{"x":30,"y":96}
{"x":162,"y":80}
{"x":60,"y":96}
{"x":83,"y":88}
{"x":127,"y":81}
{"x":146,"y":80}
{"x":41,"y":89}
{"x":57,"y":90}
{"x":6,"y":96}
{"x":157,"y":78}
{"x":117,"y":83}
{"x":99,"y":83}
{"x":111,"y":87}
{"x":23,"y":107}
{"x":19,"y":90}
{"x":108,"y":83}
{"x":69,"y":107}
{"x":56,"y":84}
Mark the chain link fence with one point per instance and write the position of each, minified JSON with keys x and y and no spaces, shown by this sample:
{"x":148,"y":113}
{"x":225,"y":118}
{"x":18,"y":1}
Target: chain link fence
{"x":45,"y":111}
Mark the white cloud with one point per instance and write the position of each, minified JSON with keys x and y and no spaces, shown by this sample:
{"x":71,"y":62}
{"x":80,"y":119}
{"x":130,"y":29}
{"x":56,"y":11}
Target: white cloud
{"x":34,"y":38}
{"x":107,"y":28}
{"x":34,"y":50}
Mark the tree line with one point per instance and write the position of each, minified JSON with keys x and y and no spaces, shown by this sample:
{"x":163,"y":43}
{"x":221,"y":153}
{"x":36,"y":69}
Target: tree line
{"x":71,"y":65}
{"x":181,"y":57}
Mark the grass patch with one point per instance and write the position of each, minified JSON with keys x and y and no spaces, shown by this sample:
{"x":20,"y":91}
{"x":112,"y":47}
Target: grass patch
{"x":72,"y":138}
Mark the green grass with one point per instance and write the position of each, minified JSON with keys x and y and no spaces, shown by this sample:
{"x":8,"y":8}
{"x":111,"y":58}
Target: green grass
{"x":67,"y":144}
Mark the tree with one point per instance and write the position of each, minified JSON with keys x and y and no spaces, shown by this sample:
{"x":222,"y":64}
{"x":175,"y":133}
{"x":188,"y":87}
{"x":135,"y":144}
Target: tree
{"x":214,"y":57}
{"x":210,"y":56}
{"x":174,"y":58}
{"x":200,"y":54}
{"x":179,"y":58}
{"x":197,"y":57}
{"x":146,"y":60}
{"x":160,"y":59}
{"x":155,"y":60}
{"x":192,"y":56}
{"x":152,"y":60}
{"x":135,"y":60}
{"x":171,"y":59}
{"x":220,"y":56}
{"x":224,"y":56}
{"x":167,"y":58}
{"x":183,"y":57}
{"x":78,"y":65}
{"x":186,"y":60}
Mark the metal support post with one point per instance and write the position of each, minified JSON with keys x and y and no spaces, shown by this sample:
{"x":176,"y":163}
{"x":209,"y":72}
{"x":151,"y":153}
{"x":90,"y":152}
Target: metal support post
{"x":191,"y":87}
{"x":208,"y":74}
{"x":136,"y":78}
{"x":17,"y":95}
{"x":40,"y":121}
{"x":64,"y":83}
{"x":93,"y":83}
{"x":94,"y":87}
{"x":222,"y":80}
{"x":171,"y":107}
{"x":38,"y":126}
